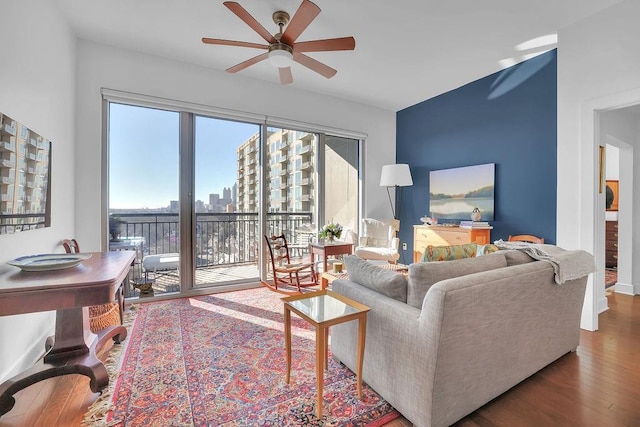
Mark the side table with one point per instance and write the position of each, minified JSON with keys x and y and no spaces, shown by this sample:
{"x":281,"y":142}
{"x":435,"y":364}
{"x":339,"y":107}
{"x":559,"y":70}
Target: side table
{"x":323,"y":309}
{"x":326,"y":249}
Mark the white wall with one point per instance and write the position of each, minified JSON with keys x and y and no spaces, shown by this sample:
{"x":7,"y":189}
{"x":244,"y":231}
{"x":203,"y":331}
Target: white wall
{"x":598,"y":62}
{"x":613,"y":163}
{"x":37,"y":88}
{"x":101,"y":66}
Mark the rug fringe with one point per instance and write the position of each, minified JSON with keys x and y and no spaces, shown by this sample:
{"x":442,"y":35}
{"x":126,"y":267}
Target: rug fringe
{"x":97,"y":412}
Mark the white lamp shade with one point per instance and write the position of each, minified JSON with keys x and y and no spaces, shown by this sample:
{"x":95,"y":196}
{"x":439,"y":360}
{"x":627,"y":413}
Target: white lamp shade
{"x":396,"y":175}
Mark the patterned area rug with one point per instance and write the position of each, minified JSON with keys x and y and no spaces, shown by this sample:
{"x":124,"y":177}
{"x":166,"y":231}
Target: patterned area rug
{"x":219,"y":360}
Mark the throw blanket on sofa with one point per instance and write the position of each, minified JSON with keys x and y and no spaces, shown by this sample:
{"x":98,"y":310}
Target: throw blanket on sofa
{"x":567,"y":265}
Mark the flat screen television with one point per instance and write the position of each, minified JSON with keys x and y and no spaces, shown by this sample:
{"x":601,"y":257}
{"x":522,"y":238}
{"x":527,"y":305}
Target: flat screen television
{"x":25,"y":176}
{"x":454,"y":193}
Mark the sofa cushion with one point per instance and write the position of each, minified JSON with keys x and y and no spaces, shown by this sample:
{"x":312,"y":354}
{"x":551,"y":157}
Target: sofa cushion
{"x":515,"y":257}
{"x":450,"y":252}
{"x":423,"y":275}
{"x":386,"y":282}
{"x":487,"y":249}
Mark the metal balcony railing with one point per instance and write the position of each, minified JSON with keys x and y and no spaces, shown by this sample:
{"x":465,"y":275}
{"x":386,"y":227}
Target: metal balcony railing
{"x":220,"y":238}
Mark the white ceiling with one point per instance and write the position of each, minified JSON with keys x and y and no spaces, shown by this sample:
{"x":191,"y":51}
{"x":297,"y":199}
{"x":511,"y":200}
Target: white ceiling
{"x":418,"y":50}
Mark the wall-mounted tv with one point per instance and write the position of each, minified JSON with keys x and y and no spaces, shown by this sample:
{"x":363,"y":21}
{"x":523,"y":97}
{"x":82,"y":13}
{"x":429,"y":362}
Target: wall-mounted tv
{"x":454,"y":193}
{"x":25,"y":175}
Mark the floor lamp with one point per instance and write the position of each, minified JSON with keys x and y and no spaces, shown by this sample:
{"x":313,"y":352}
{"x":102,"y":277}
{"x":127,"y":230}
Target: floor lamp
{"x":397,"y":175}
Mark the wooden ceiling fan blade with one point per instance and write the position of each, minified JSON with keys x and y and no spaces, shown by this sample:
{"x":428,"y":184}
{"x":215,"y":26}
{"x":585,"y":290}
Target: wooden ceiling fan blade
{"x":312,"y":64}
{"x":342,"y":43}
{"x":285,"y":75}
{"x":248,"y":62}
{"x":306,"y":13}
{"x":242,"y":13}
{"x":224,"y":42}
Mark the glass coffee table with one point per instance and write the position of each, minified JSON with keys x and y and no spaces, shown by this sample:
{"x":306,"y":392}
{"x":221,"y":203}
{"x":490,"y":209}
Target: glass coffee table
{"x":324,"y":309}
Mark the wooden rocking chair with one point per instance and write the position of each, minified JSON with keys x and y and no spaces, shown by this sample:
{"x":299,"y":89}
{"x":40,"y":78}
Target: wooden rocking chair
{"x":286,"y":273}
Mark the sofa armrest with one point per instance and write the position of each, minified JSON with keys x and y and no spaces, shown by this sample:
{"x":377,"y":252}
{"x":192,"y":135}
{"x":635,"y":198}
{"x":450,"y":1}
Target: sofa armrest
{"x":390,"y":323}
{"x":363,"y":241}
{"x":396,"y":349}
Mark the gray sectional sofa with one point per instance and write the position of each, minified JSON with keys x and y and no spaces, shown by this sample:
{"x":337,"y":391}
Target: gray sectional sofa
{"x":457,"y":334}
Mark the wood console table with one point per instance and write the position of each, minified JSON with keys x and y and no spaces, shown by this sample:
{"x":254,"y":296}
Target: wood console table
{"x":73,"y":348}
{"x":440,"y":235}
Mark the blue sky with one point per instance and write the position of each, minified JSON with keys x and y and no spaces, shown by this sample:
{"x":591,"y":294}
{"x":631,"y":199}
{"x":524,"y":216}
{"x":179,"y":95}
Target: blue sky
{"x":144,"y":156}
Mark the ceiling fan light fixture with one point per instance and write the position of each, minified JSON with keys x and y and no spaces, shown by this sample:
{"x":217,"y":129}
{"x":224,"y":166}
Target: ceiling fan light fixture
{"x":280,"y":55}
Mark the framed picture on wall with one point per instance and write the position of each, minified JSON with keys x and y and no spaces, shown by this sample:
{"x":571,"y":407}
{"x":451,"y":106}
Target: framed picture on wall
{"x":612,"y":195}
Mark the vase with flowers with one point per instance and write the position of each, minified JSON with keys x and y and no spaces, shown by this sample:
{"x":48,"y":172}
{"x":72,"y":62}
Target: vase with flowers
{"x":330,"y":232}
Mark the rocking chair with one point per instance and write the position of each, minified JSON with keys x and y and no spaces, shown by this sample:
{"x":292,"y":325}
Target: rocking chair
{"x":285,"y":272}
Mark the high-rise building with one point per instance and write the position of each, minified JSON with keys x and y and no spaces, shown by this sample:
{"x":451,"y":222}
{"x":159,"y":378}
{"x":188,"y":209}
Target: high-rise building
{"x":248,"y":177}
{"x":234,"y":193}
{"x":290,"y":168}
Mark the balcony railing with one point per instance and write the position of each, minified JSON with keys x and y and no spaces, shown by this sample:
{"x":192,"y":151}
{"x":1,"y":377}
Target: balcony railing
{"x":220,"y":238}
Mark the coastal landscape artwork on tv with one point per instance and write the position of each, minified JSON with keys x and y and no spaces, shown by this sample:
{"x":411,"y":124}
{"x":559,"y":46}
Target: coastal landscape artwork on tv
{"x":454,"y":193}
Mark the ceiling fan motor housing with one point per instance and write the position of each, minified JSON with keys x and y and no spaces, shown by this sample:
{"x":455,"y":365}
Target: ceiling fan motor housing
{"x":280,"y":55}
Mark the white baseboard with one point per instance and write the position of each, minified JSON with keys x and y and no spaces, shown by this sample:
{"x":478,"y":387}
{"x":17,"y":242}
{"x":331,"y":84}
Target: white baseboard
{"x":623,"y":288}
{"x":603,"y":304}
{"x":28,"y":359}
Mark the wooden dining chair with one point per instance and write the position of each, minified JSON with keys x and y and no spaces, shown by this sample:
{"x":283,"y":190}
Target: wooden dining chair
{"x":71,"y":246}
{"x":286,"y":271}
{"x":526,"y":238}
{"x":103,"y":315}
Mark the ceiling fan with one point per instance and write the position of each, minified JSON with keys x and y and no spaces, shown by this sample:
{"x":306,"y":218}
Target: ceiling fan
{"x":283,"y":49}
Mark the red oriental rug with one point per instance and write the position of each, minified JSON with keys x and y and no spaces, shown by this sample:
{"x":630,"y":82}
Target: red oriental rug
{"x":218,"y":360}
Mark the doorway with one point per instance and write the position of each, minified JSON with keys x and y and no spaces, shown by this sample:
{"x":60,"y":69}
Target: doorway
{"x":616,"y":130}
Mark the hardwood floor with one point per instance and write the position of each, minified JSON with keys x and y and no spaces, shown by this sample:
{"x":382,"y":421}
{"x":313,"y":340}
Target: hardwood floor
{"x":596,"y":386}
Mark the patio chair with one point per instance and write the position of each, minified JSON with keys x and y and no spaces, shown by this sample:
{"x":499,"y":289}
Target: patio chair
{"x":288,"y":272}
{"x":303,"y":236}
{"x":160,"y":264}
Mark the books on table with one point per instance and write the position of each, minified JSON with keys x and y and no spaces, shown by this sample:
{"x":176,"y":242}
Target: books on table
{"x":474,"y":224}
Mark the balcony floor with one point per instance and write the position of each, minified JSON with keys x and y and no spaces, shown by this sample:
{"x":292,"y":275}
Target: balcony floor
{"x":169,"y":282}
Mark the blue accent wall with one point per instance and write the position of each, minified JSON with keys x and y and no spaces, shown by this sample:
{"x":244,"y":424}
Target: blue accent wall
{"x":508,"y":118}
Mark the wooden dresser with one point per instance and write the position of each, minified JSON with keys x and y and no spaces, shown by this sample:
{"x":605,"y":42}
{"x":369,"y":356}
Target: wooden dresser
{"x":611,"y":245}
{"x":439,"y":235}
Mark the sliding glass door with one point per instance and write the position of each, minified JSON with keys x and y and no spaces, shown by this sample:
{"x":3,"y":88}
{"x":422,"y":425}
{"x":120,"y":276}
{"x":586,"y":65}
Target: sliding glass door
{"x":194,"y":195}
{"x":144,"y":147}
{"x":227,"y":181}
